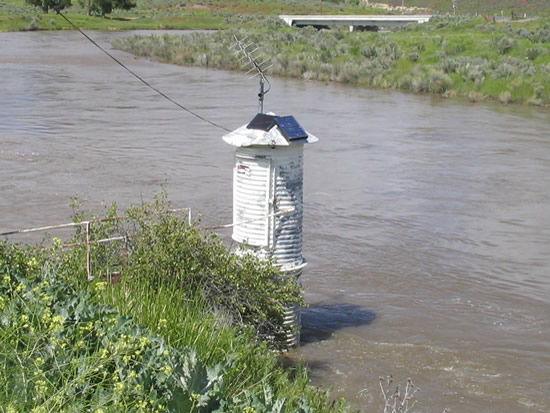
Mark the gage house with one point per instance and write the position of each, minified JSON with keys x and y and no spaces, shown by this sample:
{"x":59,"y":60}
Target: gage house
{"x":268,"y":194}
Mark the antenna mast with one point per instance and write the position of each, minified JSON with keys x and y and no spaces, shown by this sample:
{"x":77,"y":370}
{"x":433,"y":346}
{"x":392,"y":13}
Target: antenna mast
{"x":251,"y":56}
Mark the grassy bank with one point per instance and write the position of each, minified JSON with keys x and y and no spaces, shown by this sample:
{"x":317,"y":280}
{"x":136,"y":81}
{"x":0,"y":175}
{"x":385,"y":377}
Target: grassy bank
{"x":180,"y":332}
{"x":488,"y":7}
{"x":16,"y":15}
{"x":449,"y":56}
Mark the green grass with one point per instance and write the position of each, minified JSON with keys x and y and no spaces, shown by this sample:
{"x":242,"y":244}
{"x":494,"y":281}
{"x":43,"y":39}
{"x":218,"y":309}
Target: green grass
{"x":490,"y":7}
{"x":188,"y":323}
{"x":16,"y":15}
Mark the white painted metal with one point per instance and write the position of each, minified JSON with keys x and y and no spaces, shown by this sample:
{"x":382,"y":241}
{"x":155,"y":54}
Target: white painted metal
{"x":254,"y":137}
{"x":268,"y":202}
{"x":287,"y":194}
{"x":251,"y":188}
{"x":292,"y":321}
{"x":354,"y":20}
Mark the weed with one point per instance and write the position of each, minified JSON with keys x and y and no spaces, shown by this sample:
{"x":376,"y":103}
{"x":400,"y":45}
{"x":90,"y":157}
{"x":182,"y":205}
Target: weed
{"x":397,"y":399}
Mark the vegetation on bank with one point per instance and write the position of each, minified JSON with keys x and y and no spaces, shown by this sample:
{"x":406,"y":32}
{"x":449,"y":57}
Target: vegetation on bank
{"x":16,"y":15}
{"x":179,"y":331}
{"x":473,"y":7}
{"x":449,"y":56}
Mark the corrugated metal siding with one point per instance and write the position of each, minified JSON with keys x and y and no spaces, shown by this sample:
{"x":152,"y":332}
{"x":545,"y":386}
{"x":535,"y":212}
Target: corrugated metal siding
{"x":286,"y":233}
{"x":267,"y":182}
{"x":250,"y":200}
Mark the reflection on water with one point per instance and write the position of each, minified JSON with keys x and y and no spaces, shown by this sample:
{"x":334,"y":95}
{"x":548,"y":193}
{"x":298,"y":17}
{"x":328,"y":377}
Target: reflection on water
{"x":427,"y":221}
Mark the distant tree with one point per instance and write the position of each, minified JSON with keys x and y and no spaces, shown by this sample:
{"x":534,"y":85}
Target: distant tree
{"x":104,"y":7}
{"x":46,"y":5}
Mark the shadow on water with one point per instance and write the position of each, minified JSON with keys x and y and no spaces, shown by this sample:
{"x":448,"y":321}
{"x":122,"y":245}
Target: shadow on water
{"x":320,"y":321}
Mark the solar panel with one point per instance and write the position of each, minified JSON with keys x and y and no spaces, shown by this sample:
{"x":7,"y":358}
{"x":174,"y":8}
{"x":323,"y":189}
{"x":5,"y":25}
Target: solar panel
{"x":290,"y":128}
{"x":262,"y":122}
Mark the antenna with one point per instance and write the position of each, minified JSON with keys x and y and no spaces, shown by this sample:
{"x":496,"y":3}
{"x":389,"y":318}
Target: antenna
{"x":251,"y":56}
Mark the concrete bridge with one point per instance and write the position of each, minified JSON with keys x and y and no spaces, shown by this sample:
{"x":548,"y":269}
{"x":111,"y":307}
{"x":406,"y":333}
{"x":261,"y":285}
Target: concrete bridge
{"x":355,"y":22}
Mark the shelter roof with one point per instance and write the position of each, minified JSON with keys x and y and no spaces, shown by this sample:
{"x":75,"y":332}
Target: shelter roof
{"x":270,"y":130}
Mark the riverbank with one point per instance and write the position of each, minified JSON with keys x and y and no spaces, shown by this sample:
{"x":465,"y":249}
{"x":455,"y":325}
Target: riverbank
{"x":177,"y":330}
{"x":451,"y":57}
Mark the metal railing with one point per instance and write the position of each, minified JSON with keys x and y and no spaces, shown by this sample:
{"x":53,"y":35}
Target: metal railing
{"x":86,"y":225}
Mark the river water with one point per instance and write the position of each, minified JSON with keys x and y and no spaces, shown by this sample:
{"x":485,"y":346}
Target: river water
{"x":427,"y":221}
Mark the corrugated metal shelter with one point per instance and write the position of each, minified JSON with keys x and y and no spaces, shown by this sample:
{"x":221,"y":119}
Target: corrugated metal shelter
{"x":268,"y":193}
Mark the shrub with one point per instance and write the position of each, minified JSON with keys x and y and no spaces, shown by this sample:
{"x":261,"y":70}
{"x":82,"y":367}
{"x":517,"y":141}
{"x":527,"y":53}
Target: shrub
{"x":505,"y":97}
{"x":459,"y":48}
{"x":393,"y":51}
{"x":476,"y":74}
{"x":449,"y":65}
{"x":349,"y":73}
{"x":539,"y":91}
{"x":543,"y":35}
{"x":505,"y":44}
{"x":533,"y":52}
{"x":405,"y":82}
{"x":523,"y":33}
{"x":369,"y":52}
{"x":419,"y":83}
{"x":510,"y":66}
{"x":33,"y":25}
{"x":449,"y":94}
{"x":486,"y":28}
{"x":475,"y":96}
{"x":169,"y":252}
{"x":421,"y":47}
{"x":504,"y":70}
{"x":439,"y":82}
{"x":534,"y":101}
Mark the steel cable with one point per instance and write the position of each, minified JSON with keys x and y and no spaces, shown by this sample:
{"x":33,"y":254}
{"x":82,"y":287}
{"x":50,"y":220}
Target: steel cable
{"x":161,"y":93}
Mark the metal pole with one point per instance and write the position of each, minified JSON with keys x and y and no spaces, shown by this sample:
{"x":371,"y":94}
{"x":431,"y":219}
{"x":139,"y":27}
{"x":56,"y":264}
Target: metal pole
{"x":261,"y":96}
{"x":88,"y":253}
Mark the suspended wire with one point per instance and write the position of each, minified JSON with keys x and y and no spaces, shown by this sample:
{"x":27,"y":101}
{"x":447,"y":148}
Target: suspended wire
{"x":164,"y":95}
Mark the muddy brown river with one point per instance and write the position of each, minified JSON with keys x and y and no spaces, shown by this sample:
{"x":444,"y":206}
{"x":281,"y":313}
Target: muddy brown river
{"x":427,"y":221}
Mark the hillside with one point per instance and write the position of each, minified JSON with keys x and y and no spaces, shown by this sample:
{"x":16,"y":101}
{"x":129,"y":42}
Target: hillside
{"x":488,"y":7}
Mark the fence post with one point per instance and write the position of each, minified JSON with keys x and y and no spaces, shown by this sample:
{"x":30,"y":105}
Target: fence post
{"x":88,"y":252}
